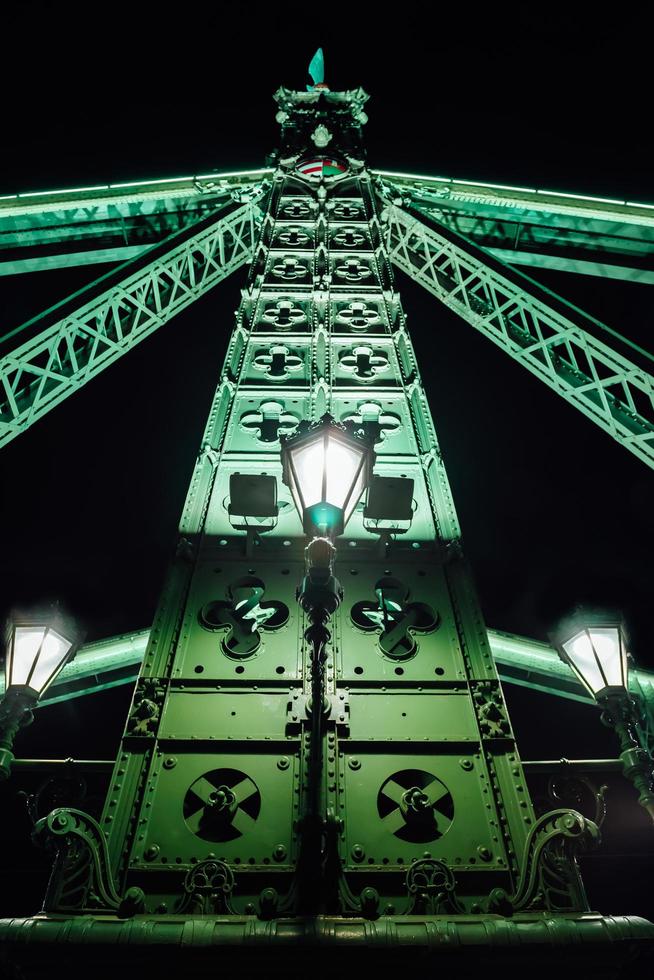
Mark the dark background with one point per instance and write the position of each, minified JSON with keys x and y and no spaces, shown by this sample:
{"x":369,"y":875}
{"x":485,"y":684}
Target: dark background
{"x":553,"y":511}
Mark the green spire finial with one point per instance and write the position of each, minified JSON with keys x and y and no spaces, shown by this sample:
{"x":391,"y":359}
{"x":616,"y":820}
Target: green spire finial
{"x":317,"y":71}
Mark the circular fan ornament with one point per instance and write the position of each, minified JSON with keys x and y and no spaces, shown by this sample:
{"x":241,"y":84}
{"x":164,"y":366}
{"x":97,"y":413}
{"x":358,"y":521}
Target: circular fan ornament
{"x":415,"y":806}
{"x":222,"y":805}
{"x":319,"y":168}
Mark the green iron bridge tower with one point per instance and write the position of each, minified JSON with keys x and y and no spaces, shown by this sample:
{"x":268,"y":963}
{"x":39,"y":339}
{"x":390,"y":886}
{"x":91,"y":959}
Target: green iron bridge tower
{"x":409,"y":826}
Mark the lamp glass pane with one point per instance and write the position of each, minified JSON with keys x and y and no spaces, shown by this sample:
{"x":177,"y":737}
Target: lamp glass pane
{"x":53,"y":654}
{"x":342,"y":464}
{"x":297,"y":500}
{"x":356,"y":494}
{"x":609,"y":649}
{"x":581,"y":651}
{"x":27,"y":640}
{"x":308,"y":462}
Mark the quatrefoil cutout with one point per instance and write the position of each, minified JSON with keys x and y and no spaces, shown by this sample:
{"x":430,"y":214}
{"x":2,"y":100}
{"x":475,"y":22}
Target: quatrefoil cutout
{"x":268,"y":422}
{"x":353,"y":270}
{"x":359,"y":317}
{"x":364,"y":362}
{"x":296,"y":209}
{"x":348,"y":238}
{"x":284,"y":315}
{"x":289,"y":268}
{"x":376,"y":422}
{"x":278,"y":362}
{"x":294,"y":237}
{"x":346,"y":210}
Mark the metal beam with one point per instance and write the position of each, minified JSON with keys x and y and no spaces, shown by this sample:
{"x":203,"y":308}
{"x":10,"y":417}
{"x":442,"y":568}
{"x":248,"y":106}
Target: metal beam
{"x":525,"y":226}
{"x":548,"y":336}
{"x":521,"y":661}
{"x":76,"y":339}
{"x":108,"y":223}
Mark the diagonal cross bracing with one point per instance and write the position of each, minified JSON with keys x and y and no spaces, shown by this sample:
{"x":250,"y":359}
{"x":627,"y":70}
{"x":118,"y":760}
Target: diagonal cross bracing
{"x":536,"y":227}
{"x":606,"y":386}
{"x":74,"y":347}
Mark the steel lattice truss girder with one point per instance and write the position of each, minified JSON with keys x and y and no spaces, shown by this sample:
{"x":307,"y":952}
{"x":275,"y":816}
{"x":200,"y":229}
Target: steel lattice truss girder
{"x":525,"y":226}
{"x":607,"y":387}
{"x":520,"y":225}
{"x":60,"y":229}
{"x":74,"y":347}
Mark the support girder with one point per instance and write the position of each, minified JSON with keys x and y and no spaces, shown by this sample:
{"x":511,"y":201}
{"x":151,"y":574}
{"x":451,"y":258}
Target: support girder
{"x":112,"y":223}
{"x":546,"y":229}
{"x":524,"y":226}
{"x":548,"y":336}
{"x":75,"y":340}
{"x":521,"y":661}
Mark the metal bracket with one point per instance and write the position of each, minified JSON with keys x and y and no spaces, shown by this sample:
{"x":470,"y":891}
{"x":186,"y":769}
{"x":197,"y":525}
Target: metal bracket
{"x":336,"y":709}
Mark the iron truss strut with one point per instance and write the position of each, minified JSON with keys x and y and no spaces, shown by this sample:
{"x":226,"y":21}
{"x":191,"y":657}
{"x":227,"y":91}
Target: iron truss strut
{"x":525,"y":226}
{"x":546,"y":337}
{"x":71,"y":343}
{"x":108,"y":223}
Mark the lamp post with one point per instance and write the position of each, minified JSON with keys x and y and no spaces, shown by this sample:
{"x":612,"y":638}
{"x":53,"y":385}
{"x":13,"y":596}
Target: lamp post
{"x":37,"y":648}
{"x":596,"y":650}
{"x":327,"y":466}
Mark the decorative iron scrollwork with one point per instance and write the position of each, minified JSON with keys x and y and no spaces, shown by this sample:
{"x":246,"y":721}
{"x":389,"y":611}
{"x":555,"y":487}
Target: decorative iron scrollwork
{"x":431,"y":887}
{"x":81,"y":877}
{"x":146,"y":706}
{"x":550,"y":877}
{"x":491,"y":710}
{"x":207,"y":889}
{"x":68,"y":789}
{"x":578,"y":791}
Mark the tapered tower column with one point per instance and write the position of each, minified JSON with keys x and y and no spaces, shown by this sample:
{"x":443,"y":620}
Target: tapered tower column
{"x":421,"y":806}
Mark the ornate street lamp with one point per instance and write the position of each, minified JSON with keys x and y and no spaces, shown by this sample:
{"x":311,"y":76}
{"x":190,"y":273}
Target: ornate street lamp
{"x":327,"y":466}
{"x":595,"y":647}
{"x":37,"y":648}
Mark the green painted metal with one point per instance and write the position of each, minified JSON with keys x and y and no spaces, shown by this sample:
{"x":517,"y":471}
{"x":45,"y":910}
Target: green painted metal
{"x":420,"y":763}
{"x":519,"y":660}
{"x":546,"y":229}
{"x":548,"y":336}
{"x":71,"y":343}
{"x":526,"y":226}
{"x":109,"y":223}
{"x":519,"y":936}
{"x":426,"y":833}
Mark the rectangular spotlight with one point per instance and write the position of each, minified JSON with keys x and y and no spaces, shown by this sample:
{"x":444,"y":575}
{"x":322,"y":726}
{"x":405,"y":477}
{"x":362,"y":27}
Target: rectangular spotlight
{"x":390,"y":498}
{"x":252,"y":495}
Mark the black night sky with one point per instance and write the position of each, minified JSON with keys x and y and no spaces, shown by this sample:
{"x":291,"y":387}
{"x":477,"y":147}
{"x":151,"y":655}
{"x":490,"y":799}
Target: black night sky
{"x":553,"y":511}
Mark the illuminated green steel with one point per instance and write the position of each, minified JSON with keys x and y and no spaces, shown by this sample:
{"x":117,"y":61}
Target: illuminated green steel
{"x":75,"y":340}
{"x":414,"y":814}
{"x":108,"y":223}
{"x":547,"y":229}
{"x":114,"y":222}
{"x":546,"y":335}
{"x":521,"y":661}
